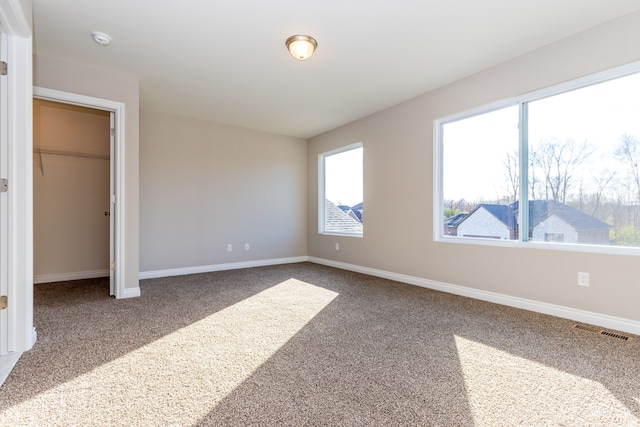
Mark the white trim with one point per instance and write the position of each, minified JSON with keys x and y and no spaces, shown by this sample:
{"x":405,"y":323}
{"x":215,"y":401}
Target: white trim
{"x":438,"y":201}
{"x":131,"y":293}
{"x":603,"y":320}
{"x":219,"y":267}
{"x":4,"y":198}
{"x":322,"y":208}
{"x":17,"y":319}
{"x":20,"y":196}
{"x":64,"y":277}
{"x":15,"y":19}
{"x":7,"y":363}
{"x":118,"y":108}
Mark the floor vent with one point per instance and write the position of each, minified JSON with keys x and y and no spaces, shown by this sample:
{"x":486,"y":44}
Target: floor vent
{"x":588,"y":328}
{"x":614,"y":335}
{"x":601,"y":331}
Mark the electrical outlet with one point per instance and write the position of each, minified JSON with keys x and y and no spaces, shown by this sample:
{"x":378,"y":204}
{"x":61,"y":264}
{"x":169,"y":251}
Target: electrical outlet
{"x":229,"y":247}
{"x":583,"y":279}
{"x":337,"y":246}
{"x":246,"y":246}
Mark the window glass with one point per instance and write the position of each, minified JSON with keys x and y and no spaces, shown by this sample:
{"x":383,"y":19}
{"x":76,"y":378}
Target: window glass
{"x":584,"y":150}
{"x":480,"y":175}
{"x":341,"y":200}
{"x":579,"y":169}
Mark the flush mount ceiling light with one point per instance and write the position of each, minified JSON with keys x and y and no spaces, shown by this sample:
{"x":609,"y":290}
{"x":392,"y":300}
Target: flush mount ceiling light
{"x":101,"y":38}
{"x":301,"y":47}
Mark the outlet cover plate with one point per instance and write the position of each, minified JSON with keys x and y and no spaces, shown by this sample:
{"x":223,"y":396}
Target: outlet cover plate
{"x":583,"y":279}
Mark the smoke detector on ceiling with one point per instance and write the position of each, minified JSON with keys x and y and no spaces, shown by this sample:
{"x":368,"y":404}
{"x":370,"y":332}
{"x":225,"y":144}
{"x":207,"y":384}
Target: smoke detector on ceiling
{"x":101,"y":38}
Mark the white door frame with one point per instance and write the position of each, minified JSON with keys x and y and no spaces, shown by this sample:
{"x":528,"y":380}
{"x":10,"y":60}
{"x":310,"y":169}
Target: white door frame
{"x":20,"y":335}
{"x":4,"y":205}
{"x":117,"y":161}
{"x":112,"y":213}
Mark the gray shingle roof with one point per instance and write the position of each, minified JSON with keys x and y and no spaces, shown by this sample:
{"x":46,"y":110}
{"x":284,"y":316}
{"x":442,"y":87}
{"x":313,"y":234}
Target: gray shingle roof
{"x":540,"y":210}
{"x":338,"y":221}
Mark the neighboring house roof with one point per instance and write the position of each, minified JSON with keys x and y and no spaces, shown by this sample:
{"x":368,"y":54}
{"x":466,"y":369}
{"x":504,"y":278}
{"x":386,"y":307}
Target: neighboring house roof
{"x":540,"y":210}
{"x":455,"y":220}
{"x":338,"y":221}
{"x":354,"y":211}
{"x":504,"y":213}
{"x":355,"y":214}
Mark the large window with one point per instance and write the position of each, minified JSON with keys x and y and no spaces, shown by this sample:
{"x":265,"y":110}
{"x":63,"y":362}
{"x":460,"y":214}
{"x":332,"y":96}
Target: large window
{"x":560,"y":166}
{"x":340,"y":191}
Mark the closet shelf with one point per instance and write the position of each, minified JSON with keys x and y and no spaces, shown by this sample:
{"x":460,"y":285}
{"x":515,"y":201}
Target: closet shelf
{"x":70,"y":153}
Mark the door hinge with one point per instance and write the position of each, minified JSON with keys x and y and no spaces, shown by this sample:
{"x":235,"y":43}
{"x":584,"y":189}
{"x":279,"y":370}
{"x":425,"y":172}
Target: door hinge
{"x":3,"y":302}
{"x":3,"y":68}
{"x":112,"y":265}
{"x":4,"y":185}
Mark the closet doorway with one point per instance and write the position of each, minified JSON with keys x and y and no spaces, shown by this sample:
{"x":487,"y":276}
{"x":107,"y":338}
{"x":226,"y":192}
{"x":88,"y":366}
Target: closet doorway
{"x":72,"y":192}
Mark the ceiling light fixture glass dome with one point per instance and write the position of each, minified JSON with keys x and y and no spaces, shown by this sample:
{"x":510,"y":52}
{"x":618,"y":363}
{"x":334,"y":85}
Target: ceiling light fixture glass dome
{"x":301,"y":47}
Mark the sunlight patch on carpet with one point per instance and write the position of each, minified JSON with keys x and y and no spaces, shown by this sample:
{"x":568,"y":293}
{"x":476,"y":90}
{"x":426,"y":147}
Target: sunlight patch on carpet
{"x":503,"y":386}
{"x":181,"y":377}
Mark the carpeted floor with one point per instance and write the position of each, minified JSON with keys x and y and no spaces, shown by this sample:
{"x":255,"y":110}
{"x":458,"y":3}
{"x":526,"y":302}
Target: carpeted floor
{"x":304,"y":344}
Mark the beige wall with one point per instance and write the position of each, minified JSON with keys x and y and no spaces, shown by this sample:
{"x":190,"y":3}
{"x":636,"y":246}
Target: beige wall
{"x":70,"y":194}
{"x":204,"y":185}
{"x":398,"y":188}
{"x":78,"y":79}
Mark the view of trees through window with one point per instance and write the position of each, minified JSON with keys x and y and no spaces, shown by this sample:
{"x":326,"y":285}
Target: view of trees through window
{"x":581,"y":163}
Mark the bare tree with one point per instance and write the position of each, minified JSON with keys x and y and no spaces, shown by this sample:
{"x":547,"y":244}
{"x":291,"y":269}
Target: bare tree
{"x":558,"y":160}
{"x":628,"y":151}
{"x":512,"y":175}
{"x":601,"y":182}
{"x":533,"y":177}
{"x":592,"y":198}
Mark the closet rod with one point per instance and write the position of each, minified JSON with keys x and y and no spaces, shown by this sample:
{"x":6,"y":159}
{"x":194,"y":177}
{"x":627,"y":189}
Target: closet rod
{"x":42,"y":151}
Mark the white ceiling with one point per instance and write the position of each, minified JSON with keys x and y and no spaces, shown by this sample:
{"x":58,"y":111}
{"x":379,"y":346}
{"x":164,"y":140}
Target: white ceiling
{"x":226,"y":61}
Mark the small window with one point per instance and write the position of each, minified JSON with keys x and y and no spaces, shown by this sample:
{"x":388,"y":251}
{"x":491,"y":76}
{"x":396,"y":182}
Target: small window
{"x":340,"y":204}
{"x":553,"y":237}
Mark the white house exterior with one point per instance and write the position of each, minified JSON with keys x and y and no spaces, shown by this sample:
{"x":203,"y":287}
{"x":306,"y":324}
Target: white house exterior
{"x":482,"y":223}
{"x":554,"y":229}
{"x":549,"y":221}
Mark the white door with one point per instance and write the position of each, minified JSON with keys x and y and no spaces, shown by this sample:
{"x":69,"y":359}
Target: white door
{"x":112,"y":207}
{"x":4,"y":209}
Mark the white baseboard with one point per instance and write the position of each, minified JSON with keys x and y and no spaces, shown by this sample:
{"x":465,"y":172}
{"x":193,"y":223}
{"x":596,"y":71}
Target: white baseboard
{"x":218,"y":267}
{"x":130,"y":293}
{"x":63,"y":277}
{"x":603,"y":320}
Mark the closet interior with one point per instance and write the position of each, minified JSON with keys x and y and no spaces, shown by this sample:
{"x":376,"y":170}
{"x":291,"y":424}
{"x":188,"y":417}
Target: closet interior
{"x":71,"y":175}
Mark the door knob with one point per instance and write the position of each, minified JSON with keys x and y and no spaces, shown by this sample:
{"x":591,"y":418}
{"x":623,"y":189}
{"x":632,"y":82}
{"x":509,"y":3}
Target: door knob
{"x":107,"y":213}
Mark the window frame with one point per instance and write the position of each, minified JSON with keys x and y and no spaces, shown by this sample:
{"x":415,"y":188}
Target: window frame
{"x":321,"y":189}
{"x":521,"y":101}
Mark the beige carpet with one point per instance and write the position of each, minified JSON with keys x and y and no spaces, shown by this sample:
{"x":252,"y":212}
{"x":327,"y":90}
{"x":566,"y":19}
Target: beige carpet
{"x":304,"y":344}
